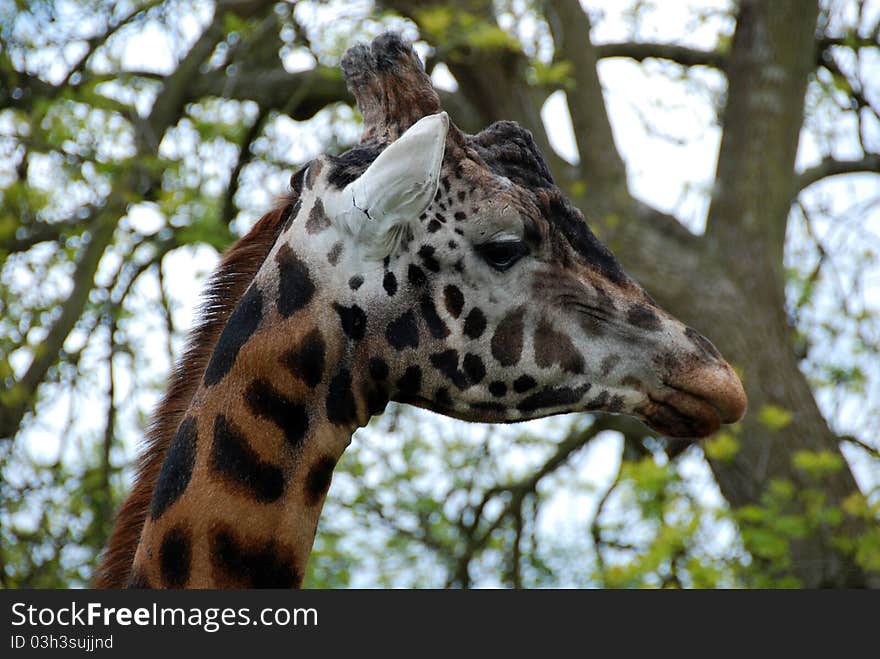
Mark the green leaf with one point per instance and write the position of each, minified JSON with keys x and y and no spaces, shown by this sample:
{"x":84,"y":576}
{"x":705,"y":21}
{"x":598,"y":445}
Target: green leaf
{"x":552,"y":75}
{"x":817,"y":463}
{"x":435,"y":21}
{"x":723,"y":447}
{"x":765,"y":543}
{"x":774,"y":417}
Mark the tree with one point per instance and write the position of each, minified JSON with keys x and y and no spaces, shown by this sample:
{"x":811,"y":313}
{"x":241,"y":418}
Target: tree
{"x":100,"y":152}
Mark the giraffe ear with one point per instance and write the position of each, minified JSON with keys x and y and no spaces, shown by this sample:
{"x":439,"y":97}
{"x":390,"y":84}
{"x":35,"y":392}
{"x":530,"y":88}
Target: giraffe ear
{"x":395,"y":189}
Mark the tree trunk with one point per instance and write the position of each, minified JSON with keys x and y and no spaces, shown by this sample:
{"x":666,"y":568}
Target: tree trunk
{"x":772,"y":57}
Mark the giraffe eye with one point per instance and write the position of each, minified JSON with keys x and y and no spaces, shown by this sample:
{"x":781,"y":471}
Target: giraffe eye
{"x":502,"y":254}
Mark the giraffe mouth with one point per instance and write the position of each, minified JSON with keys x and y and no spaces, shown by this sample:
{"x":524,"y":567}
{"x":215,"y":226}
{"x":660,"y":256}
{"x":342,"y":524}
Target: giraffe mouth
{"x":678,"y":413}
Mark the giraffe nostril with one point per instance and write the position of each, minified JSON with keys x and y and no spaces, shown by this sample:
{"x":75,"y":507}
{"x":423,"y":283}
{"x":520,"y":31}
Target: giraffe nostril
{"x":702,"y":343}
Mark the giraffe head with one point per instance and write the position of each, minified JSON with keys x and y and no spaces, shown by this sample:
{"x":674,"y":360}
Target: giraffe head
{"x":425,"y":266}
{"x":466,"y":282}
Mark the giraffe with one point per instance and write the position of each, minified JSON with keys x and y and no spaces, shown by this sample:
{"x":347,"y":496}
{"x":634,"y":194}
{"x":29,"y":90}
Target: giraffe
{"x":423,"y":266}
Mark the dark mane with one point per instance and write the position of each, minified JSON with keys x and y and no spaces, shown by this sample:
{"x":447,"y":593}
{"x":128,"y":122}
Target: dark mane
{"x":237,"y":269}
{"x":350,"y":165}
{"x":509,"y":150}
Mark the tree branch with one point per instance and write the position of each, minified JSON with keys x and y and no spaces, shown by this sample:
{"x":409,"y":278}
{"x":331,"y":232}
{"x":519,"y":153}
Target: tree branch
{"x":856,"y":94}
{"x":829,"y":167}
{"x":595,"y":529}
{"x":854,"y":41}
{"x":244,"y":157}
{"x":641,"y":50}
{"x":109,"y":435}
{"x":855,"y":441}
{"x":520,"y":489}
{"x":38,"y":232}
{"x":601,"y":166}
{"x":271,"y":88}
{"x":97,"y":41}
{"x":165,"y":303}
{"x":18,"y":398}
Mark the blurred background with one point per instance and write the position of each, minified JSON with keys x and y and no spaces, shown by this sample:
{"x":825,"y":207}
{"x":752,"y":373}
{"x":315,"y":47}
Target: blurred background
{"x":728,"y":152}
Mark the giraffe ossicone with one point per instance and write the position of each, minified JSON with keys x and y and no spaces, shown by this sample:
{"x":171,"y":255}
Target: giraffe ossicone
{"x":424,"y":266}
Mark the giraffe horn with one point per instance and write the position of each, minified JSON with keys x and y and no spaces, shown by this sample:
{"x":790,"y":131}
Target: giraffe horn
{"x":390,"y":85}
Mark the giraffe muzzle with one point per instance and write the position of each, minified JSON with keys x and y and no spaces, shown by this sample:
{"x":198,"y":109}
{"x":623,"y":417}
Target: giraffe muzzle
{"x":696,"y":402}
{"x":719,"y":386}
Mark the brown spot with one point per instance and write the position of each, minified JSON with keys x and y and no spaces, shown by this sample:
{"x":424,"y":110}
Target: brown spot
{"x":177,"y":468}
{"x":475,"y":323}
{"x":609,"y":363}
{"x":550,"y":397}
{"x":313,"y":173}
{"x":633,"y":383}
{"x":240,"y":563}
{"x":507,"y":342}
{"x":233,"y":458}
{"x":243,"y":322}
{"x":306,"y":361}
{"x":341,"y":405}
{"x":606,"y":302}
{"x":318,"y":220}
{"x":591,"y":325}
{"x":267,"y":402}
{"x":175,"y":556}
{"x":442,"y":397}
{"x":524,"y":383}
{"x":295,"y":285}
{"x":552,"y":347}
{"x":454,"y":300}
{"x":318,"y":480}
{"x":599,"y":402}
{"x":644,"y":317}
{"x":334,"y":253}
{"x":668,"y":363}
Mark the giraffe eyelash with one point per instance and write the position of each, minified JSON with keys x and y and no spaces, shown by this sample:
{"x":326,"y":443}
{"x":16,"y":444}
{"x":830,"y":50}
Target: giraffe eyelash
{"x":502,"y":254}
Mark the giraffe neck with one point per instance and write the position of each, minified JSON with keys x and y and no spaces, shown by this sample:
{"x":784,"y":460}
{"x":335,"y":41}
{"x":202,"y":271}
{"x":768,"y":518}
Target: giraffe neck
{"x":241,"y":489}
